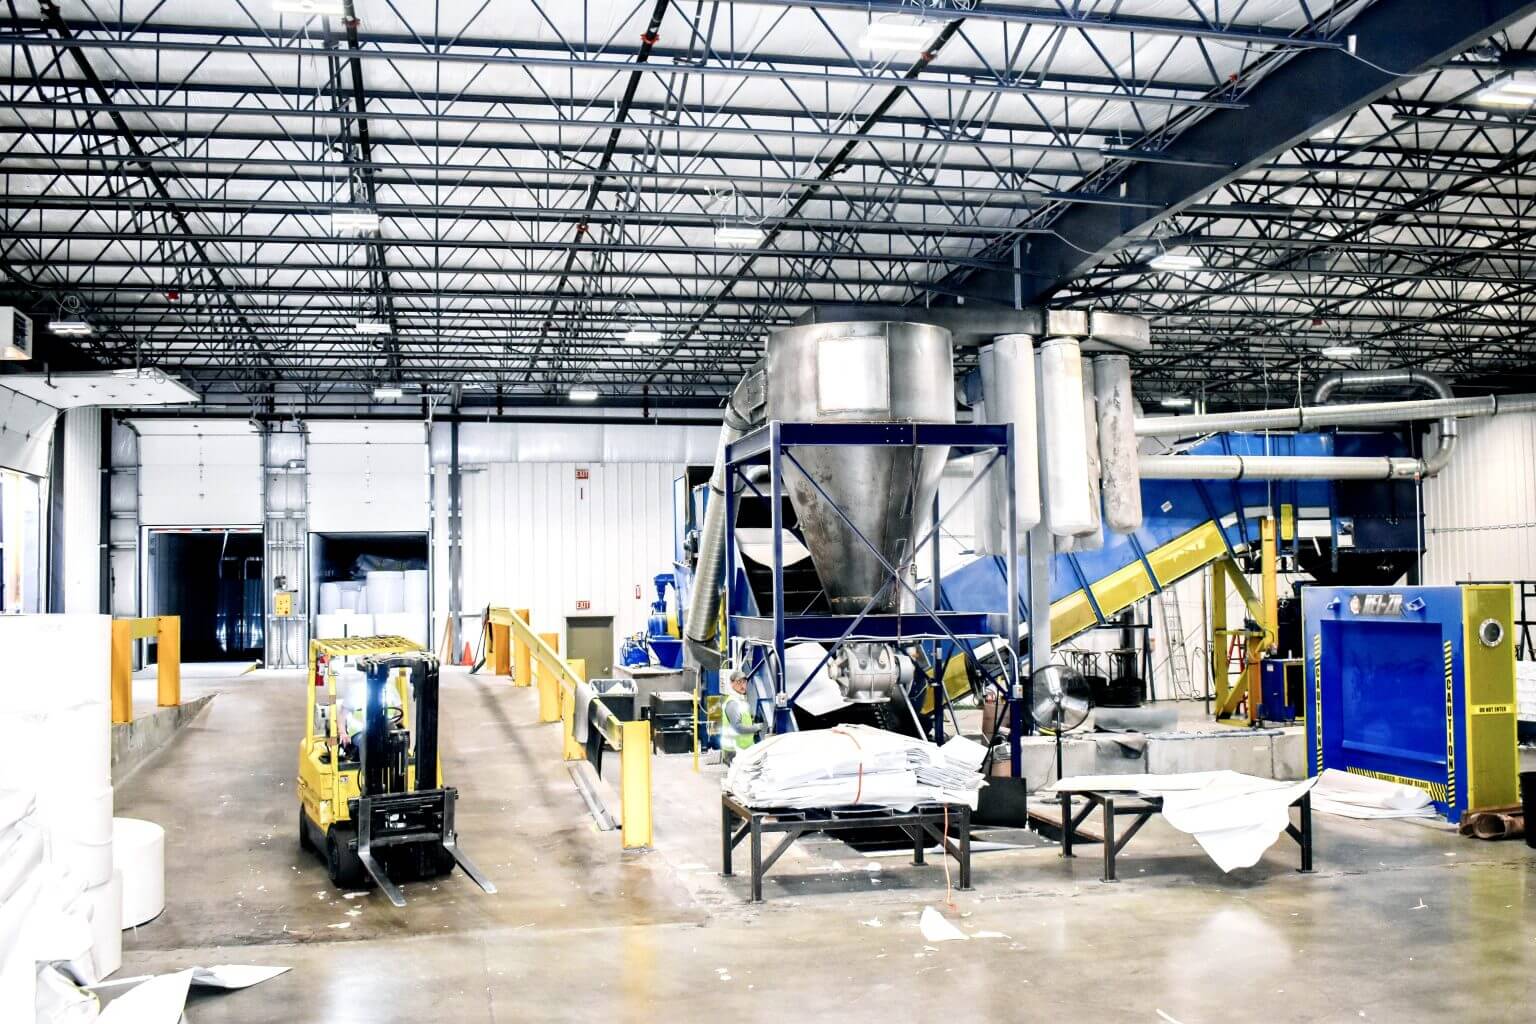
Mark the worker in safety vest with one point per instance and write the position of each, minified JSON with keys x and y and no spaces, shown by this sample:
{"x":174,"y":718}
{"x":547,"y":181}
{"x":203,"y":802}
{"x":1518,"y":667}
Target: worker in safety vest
{"x":738,"y":728}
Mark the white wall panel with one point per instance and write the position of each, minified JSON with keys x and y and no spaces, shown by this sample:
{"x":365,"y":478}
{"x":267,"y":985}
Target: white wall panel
{"x":537,"y":537}
{"x":82,"y":511}
{"x":367,"y":477}
{"x":199,"y":473}
{"x":26,"y":431}
{"x":1480,"y":512}
{"x":577,"y":442}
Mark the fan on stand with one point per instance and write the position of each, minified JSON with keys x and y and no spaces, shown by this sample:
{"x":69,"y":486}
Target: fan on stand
{"x":1059,"y":701}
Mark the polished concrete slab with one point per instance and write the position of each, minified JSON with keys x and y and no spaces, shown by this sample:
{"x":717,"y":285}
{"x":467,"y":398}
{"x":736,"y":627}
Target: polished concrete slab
{"x":1402,"y":921}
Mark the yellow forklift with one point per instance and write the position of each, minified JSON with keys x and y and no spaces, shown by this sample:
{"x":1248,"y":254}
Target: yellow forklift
{"x":371,"y":802}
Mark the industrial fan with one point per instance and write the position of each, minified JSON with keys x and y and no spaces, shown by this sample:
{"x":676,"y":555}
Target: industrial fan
{"x":1059,"y":702}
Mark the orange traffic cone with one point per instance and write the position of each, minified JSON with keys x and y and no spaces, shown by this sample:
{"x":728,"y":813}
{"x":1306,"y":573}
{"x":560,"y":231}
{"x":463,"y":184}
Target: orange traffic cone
{"x":469,"y":656}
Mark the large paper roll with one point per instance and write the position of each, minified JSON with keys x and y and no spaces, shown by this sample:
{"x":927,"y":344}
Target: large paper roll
{"x":330,"y":598}
{"x":386,"y":591}
{"x":411,"y":625}
{"x":348,"y":594}
{"x":106,"y":903}
{"x":417,"y":590}
{"x":57,"y":661}
{"x":23,"y":743}
{"x":77,"y":815}
{"x":85,"y":733}
{"x":139,"y":853}
{"x":89,"y":862}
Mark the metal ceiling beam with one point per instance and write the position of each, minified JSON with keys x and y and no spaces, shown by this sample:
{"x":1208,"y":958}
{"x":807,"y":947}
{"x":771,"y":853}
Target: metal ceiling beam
{"x":1393,"y":41}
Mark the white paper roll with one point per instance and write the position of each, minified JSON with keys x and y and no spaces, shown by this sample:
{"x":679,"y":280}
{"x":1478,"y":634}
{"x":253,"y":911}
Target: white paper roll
{"x":348,"y":593}
{"x":58,"y":661}
{"x":330,"y":598}
{"x":139,"y":853}
{"x":89,"y":862}
{"x":417,"y":589}
{"x":22,"y":743}
{"x":106,"y":902}
{"x":20,"y":860}
{"x":77,"y":815}
{"x":85,"y":733}
{"x":410,"y":625}
{"x":386,"y":591}
{"x":362,"y":624}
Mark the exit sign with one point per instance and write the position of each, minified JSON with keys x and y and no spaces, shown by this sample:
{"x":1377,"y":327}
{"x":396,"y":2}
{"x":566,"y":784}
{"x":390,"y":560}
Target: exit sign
{"x":583,"y":474}
{"x":583,"y":606}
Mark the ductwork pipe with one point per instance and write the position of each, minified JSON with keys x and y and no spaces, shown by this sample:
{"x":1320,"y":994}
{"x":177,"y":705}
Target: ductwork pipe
{"x":1066,"y":452}
{"x":1280,"y":467}
{"x":742,"y":411}
{"x":1091,"y":539}
{"x":1012,"y":400}
{"x":1363,"y":414}
{"x":1117,"y":443}
{"x":1436,"y":460}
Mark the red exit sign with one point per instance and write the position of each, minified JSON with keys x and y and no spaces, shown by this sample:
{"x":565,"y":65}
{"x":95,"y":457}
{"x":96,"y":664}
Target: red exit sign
{"x":583,"y":474}
{"x":583,"y":606}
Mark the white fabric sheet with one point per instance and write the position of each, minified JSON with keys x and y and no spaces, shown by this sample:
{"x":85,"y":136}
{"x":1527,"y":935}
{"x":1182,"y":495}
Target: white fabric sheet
{"x":1234,"y":817}
{"x":1360,"y":796}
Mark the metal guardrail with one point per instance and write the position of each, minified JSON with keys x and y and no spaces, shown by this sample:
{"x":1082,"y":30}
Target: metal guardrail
{"x":165,"y":630}
{"x":534,"y":658}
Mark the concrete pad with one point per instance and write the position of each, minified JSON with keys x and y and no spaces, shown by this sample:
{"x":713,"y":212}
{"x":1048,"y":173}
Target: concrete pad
{"x":133,"y":742}
{"x":1240,"y":750}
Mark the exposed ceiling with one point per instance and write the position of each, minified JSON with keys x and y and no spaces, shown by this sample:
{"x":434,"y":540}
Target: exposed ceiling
{"x":551,"y":181}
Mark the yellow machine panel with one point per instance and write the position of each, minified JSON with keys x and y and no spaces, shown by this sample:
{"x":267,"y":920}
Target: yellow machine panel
{"x":1493,"y":756}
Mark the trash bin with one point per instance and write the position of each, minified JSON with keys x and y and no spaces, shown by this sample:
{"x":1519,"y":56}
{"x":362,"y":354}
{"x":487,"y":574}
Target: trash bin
{"x":1528,"y":806}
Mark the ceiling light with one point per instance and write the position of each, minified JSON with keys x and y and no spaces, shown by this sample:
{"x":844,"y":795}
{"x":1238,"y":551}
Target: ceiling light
{"x":1177,"y":402}
{"x":739,"y":236}
{"x":354,"y":222}
{"x":388,"y":393}
{"x":334,"y":8}
{"x":582,"y":393}
{"x":638,"y":337}
{"x":1508,"y":92}
{"x":371,"y":327}
{"x":1340,"y":351}
{"x":899,"y":35}
{"x":74,"y":328}
{"x":1174,"y":261}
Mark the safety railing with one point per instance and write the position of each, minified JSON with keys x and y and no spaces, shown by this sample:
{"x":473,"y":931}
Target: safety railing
{"x":513,"y":649}
{"x":165,"y":630}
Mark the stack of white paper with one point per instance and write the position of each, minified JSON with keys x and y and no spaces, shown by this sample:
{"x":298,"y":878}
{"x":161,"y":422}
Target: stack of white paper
{"x":854,"y":764}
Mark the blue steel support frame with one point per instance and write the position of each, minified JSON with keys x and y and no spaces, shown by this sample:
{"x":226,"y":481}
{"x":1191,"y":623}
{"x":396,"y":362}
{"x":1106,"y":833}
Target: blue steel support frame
{"x":774,"y":442}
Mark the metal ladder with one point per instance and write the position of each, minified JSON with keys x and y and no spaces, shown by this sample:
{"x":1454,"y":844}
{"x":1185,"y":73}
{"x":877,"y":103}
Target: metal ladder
{"x":1178,"y":651}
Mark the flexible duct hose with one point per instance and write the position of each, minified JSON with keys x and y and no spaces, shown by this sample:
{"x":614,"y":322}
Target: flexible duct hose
{"x":742,"y":412}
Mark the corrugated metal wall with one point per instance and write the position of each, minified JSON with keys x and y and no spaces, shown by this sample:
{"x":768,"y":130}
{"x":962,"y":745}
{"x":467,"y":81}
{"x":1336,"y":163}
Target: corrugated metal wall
{"x":538,"y":536}
{"x":82,"y":547}
{"x":1480,"y":513}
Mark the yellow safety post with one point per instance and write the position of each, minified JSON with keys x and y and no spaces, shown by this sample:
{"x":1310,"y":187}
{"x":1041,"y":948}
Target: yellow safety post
{"x":549,"y":683}
{"x":635,"y":784}
{"x":168,"y":661}
{"x":500,"y":655}
{"x":1264,"y":640}
{"x":521,"y":656}
{"x":1221,"y":666}
{"x":571,"y":750}
{"x":122,"y":670}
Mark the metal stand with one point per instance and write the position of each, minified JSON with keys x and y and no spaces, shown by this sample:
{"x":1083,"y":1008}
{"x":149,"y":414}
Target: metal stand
{"x":772,"y":445}
{"x":949,"y":825}
{"x":1116,"y":803}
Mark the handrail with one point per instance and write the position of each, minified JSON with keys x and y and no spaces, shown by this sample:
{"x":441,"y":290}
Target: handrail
{"x":165,"y":630}
{"x":558,"y":680}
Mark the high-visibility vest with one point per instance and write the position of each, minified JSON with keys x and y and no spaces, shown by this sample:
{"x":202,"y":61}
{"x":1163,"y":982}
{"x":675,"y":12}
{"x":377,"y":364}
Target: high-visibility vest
{"x":730,"y":738}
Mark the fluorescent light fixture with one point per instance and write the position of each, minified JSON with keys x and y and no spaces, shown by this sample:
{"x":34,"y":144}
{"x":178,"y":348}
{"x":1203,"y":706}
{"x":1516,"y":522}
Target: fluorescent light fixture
{"x":354,"y":222}
{"x":1174,"y":261}
{"x":1508,"y":92}
{"x":371,"y":327}
{"x":1340,"y":351}
{"x":334,"y":8}
{"x":73,"y":328}
{"x":898,"y":34}
{"x":739,"y":236}
{"x":582,"y":393}
{"x":1177,"y":402}
{"x":638,"y":337}
{"x":388,"y":393}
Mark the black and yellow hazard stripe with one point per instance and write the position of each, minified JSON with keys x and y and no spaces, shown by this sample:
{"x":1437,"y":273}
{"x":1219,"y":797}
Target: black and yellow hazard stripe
{"x":1450,"y":725}
{"x":1317,"y":697}
{"x":1436,"y":790}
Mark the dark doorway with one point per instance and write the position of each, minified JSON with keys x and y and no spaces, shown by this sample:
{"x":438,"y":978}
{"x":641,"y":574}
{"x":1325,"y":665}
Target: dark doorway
{"x":213,"y":580}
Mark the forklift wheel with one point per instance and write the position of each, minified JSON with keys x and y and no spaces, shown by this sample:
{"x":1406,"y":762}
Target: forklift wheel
{"x":305,"y":843}
{"x":341,"y":860}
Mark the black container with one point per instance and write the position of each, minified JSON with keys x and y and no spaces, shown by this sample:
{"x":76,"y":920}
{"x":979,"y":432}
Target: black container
{"x":672,"y":742}
{"x":1528,"y":806}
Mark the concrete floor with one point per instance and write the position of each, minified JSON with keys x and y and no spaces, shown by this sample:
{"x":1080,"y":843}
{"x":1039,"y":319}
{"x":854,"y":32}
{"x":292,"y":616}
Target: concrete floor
{"x":1402,"y":922}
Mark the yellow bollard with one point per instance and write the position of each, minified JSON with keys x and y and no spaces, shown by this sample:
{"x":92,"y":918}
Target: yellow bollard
{"x":168,"y":661}
{"x":635,"y":784}
{"x":570,"y":749}
{"x":501,"y":654}
{"x":122,"y":670}
{"x":549,"y":686}
{"x":522,"y":669}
